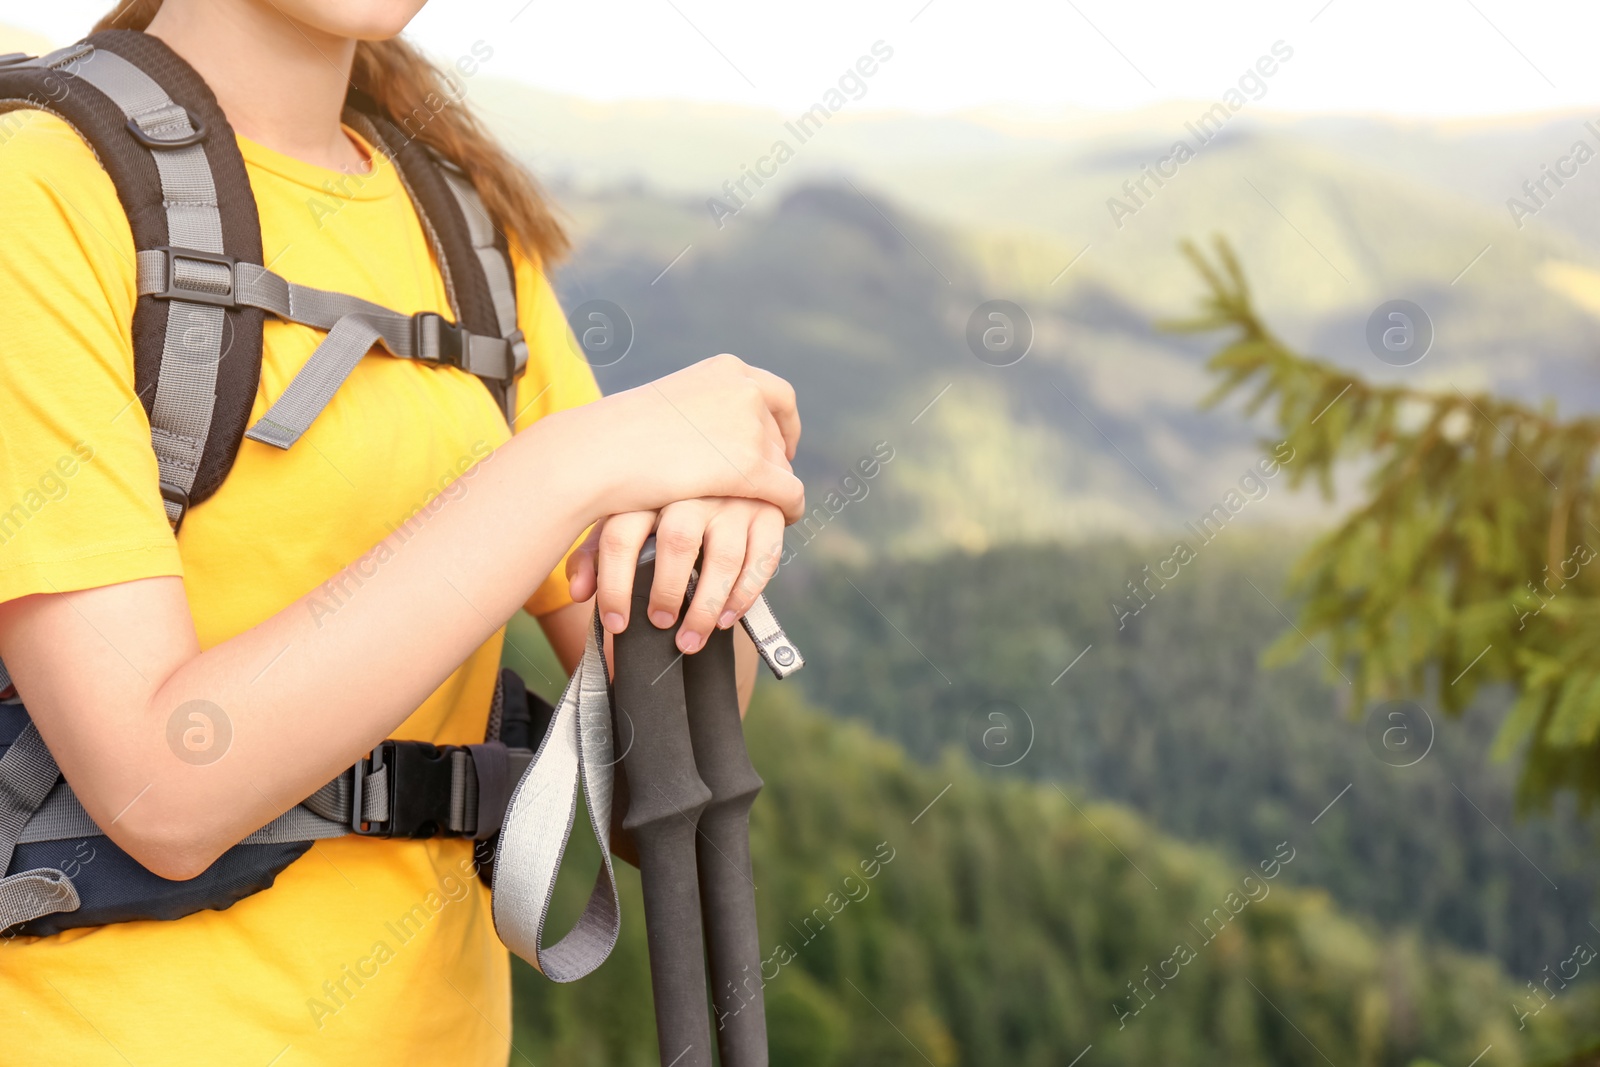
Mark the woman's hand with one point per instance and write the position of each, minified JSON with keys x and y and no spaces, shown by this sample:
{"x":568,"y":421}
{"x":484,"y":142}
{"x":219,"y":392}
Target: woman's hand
{"x":719,"y":428}
{"x":742,"y":541}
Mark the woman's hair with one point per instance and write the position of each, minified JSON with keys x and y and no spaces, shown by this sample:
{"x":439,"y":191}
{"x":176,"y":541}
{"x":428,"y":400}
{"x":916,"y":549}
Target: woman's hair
{"x":401,"y":79}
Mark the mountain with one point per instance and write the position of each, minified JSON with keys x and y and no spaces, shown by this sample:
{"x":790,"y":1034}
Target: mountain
{"x":842,"y":296}
{"x":1097,"y":431}
{"x":918,"y":914}
{"x":859,"y":280}
{"x":1337,"y":213}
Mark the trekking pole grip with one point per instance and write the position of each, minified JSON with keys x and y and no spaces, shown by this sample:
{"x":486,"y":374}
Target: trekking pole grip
{"x":665,"y":799}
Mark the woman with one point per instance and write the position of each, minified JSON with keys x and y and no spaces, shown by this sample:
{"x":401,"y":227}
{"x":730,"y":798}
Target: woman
{"x":108,"y":624}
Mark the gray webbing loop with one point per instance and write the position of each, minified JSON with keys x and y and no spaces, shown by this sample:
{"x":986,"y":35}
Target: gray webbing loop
{"x":180,"y":419}
{"x":777,"y":651}
{"x":28,"y":895}
{"x":27,"y":775}
{"x":578,"y":754}
{"x":311,"y":389}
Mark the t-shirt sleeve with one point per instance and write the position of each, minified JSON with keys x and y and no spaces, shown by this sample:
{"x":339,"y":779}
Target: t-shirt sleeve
{"x":557,"y":378}
{"x":80,"y":505}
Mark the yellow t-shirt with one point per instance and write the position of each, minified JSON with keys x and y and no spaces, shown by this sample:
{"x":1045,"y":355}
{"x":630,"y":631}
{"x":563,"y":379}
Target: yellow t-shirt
{"x":364,"y":950}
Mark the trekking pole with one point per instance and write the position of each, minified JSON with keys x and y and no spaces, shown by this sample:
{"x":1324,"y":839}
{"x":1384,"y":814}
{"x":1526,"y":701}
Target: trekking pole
{"x":689,"y":788}
{"x":727,"y":890}
{"x":665,"y":799}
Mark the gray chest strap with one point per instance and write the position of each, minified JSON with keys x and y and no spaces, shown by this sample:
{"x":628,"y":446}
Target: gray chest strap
{"x":354,"y":325}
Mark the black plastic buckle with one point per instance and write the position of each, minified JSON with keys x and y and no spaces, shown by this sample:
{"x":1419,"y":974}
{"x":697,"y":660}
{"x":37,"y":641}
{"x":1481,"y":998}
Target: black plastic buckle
{"x":195,"y":136}
{"x":431,"y":331}
{"x":196,"y":296}
{"x":418,"y":776}
{"x":174,"y":495}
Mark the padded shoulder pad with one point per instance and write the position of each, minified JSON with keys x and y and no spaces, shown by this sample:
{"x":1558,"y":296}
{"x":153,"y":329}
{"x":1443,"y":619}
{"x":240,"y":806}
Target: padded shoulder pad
{"x":62,"y":89}
{"x":239,"y":367}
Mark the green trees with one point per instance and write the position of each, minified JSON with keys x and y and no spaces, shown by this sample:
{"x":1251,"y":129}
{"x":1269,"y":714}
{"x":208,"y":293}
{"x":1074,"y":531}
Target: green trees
{"x":1468,"y":563}
{"x":1014,"y":923}
{"x":1174,"y":716}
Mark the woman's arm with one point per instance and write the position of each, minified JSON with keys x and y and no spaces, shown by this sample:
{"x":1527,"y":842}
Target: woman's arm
{"x":104,"y":671}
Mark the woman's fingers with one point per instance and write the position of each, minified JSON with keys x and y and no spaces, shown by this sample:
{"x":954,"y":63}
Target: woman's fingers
{"x":778,"y":485}
{"x":726,"y":540}
{"x":762,"y":555}
{"x":780,"y":398}
{"x":679,"y":533}
{"x":580,"y":565}
{"x":620,"y":538}
{"x":736,"y":543}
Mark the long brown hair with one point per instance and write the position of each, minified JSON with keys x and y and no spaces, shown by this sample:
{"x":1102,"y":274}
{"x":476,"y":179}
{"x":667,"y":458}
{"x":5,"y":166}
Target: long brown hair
{"x":401,"y":79}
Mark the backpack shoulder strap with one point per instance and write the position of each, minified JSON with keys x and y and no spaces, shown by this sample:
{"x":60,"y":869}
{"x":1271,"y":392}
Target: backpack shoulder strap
{"x":170,"y":152}
{"x":473,"y":256}
{"x":494,"y":255}
{"x":162,"y":138}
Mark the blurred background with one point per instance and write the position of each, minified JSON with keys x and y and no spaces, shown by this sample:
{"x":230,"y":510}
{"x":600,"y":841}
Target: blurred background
{"x":1140,"y":725}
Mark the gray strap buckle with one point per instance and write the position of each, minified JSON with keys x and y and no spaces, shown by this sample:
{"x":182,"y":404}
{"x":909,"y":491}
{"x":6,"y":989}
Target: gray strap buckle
{"x":435,"y":339}
{"x":173,"y":288}
{"x":519,"y":354}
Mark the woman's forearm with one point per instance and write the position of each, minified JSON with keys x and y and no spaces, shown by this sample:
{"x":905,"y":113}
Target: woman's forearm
{"x":106,"y":672}
{"x":303,"y":693}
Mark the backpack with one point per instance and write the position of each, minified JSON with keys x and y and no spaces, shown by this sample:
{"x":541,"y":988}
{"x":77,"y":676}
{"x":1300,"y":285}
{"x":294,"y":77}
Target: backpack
{"x":159,"y":133}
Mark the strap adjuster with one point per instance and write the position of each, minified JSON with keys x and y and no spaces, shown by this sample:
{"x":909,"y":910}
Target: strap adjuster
{"x":519,"y":354}
{"x":435,"y":339}
{"x":167,"y":116}
{"x":419,"y":777}
{"x":174,"y":289}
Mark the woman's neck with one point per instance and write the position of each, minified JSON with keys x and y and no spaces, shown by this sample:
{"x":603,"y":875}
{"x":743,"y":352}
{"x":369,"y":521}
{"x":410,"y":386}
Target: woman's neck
{"x":281,"y":83}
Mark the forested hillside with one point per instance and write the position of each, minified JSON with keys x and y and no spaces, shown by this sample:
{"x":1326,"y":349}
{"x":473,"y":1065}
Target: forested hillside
{"x":1174,"y":715}
{"x":1013,"y":922}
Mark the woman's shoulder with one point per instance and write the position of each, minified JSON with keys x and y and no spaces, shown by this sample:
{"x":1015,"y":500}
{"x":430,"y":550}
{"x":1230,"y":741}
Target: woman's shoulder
{"x":58,"y":206}
{"x":40,"y":146}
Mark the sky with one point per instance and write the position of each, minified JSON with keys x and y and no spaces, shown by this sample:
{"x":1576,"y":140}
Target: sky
{"x":1406,"y":57}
